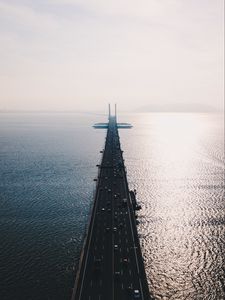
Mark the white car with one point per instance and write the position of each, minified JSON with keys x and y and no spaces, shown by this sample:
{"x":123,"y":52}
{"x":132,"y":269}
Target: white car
{"x":136,"y":294}
{"x":116,"y":247}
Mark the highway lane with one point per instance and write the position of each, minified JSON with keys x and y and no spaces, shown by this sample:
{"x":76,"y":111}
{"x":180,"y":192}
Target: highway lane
{"x":110,"y":269}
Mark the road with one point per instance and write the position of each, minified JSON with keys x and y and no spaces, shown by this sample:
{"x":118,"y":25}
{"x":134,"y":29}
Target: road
{"x":111,"y":265}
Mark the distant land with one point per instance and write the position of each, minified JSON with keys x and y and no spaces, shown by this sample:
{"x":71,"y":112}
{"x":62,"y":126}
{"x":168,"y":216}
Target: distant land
{"x":177,"y":107}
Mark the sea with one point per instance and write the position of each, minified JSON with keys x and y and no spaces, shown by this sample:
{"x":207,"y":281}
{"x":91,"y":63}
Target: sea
{"x":175,"y":161}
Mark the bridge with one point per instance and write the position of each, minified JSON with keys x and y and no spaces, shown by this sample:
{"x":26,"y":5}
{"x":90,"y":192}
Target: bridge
{"x":111,"y":265}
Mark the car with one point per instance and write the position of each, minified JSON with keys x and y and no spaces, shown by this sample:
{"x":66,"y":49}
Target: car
{"x":103,"y":209}
{"x":124,"y":202}
{"x":116,"y":247}
{"x":114,"y":229}
{"x":125,"y":261}
{"x":136,"y":294}
{"x":107,"y":229}
{"x":97,"y":265}
{"x":117,"y":275}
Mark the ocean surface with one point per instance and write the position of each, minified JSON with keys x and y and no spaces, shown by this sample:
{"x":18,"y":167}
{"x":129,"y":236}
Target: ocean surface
{"x":47,"y":166}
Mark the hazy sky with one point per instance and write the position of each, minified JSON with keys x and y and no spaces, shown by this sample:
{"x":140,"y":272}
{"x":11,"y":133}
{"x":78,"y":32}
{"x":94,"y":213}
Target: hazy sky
{"x":80,"y":54}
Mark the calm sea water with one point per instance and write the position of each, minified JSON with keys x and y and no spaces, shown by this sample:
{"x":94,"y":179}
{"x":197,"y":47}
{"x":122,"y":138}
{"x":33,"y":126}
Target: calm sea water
{"x":47,"y":163}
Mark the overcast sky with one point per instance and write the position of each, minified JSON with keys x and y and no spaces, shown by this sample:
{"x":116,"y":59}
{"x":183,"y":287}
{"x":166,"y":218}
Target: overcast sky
{"x":81,"y":54}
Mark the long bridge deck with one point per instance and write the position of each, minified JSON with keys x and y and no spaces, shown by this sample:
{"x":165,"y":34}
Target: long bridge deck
{"x":111,"y":264}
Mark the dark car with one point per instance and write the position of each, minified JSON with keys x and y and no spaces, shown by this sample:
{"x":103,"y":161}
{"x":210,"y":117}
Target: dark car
{"x":97,"y":266}
{"x":117,"y":275}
